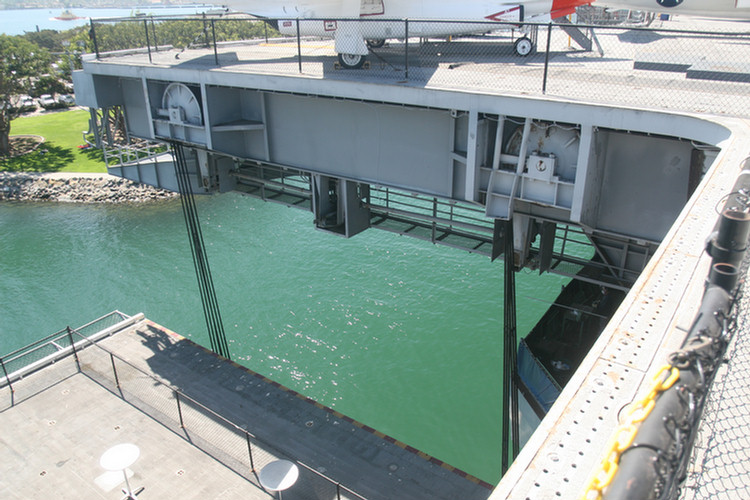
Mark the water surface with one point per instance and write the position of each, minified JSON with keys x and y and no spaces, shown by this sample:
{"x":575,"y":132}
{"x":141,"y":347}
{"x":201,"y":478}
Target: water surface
{"x":397,"y":333}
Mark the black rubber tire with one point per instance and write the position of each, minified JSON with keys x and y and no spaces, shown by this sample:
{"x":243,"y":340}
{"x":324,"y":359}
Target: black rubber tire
{"x":376,"y":43}
{"x":523,"y":47}
{"x":351,"y":61}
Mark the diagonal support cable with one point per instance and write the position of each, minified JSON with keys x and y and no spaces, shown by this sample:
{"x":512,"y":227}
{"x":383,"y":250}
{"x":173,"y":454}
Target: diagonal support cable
{"x":211,"y":310}
{"x":510,"y":424}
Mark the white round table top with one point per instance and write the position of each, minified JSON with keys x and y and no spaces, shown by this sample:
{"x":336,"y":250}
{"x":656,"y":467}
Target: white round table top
{"x":279,"y":475}
{"x":119,"y":456}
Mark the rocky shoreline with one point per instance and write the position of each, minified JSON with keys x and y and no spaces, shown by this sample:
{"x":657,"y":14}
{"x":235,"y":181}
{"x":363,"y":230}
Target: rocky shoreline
{"x":76,"y":188}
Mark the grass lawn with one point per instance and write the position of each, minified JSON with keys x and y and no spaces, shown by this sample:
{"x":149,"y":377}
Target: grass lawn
{"x":63,"y":133}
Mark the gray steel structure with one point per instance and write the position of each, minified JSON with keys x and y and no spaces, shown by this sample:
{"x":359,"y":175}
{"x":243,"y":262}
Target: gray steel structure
{"x":641,"y":185}
{"x":543,"y":163}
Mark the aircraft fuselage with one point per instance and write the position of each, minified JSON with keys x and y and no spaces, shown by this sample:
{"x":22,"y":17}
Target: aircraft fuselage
{"x":733,"y":9}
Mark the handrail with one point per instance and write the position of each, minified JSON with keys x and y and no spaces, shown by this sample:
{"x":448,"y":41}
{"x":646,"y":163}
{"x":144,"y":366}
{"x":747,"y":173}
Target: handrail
{"x":60,"y":351}
{"x":181,"y":396}
{"x":91,"y":341}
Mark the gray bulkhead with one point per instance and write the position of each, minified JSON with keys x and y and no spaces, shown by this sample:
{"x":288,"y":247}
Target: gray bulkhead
{"x":622,"y":175}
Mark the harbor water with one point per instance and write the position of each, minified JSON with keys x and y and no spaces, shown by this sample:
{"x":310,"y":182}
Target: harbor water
{"x":395,"y":332}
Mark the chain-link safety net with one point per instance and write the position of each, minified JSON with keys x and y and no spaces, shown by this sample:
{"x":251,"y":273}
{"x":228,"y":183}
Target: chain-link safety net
{"x":720,"y":467}
{"x":679,"y":63}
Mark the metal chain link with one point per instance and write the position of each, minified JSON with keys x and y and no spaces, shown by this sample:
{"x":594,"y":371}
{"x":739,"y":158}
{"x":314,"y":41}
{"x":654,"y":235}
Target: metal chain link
{"x":624,"y":435}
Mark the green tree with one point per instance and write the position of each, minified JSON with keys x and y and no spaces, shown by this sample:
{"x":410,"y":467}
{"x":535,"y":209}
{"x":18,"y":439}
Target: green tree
{"x":48,"y":84}
{"x":48,"y":39}
{"x":19,"y":61}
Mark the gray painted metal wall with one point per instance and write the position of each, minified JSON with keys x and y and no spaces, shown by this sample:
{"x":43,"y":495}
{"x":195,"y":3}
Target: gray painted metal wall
{"x":622,"y":175}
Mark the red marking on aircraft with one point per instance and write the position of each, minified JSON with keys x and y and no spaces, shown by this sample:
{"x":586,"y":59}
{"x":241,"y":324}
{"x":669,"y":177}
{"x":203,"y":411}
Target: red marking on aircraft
{"x":562,"y":8}
{"x":498,"y":16}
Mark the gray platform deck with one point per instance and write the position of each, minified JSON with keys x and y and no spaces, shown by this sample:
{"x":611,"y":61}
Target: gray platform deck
{"x":63,"y":420}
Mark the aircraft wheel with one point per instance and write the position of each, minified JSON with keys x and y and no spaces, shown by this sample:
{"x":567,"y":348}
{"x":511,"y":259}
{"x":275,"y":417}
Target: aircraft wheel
{"x":523,"y":46}
{"x":376,"y":43}
{"x":351,"y":61}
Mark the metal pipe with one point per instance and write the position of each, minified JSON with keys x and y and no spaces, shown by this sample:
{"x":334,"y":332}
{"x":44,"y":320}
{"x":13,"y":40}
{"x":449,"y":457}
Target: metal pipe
{"x":7,"y":378}
{"x":92,"y":34}
{"x":179,"y":408}
{"x":148,"y":42}
{"x":213,"y":34}
{"x":205,"y":32}
{"x":406,"y":49}
{"x":114,"y":370}
{"x":546,"y":59}
{"x":734,"y":228}
{"x":153,"y":30}
{"x":299,"y":47}
{"x":73,"y":347}
{"x":250,"y":451}
{"x":724,"y":275}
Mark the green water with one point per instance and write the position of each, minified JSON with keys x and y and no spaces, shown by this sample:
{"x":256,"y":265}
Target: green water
{"x":399,"y":334}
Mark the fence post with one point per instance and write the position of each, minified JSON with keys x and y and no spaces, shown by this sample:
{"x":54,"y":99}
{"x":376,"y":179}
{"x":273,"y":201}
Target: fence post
{"x":7,"y":378}
{"x":179,"y":408}
{"x":205,"y":32}
{"x":265,"y":30}
{"x":213,"y":33}
{"x":299,"y":47}
{"x":250,"y":451}
{"x":338,"y":491}
{"x":406,"y":49}
{"x":73,"y":346}
{"x":114,"y":370}
{"x":148,"y":42}
{"x":546,"y":58}
{"x":153,"y":31}
{"x":92,"y":34}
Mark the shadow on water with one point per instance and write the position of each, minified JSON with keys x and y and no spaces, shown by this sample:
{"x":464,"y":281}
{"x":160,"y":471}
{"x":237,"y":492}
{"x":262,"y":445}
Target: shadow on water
{"x":281,"y":424}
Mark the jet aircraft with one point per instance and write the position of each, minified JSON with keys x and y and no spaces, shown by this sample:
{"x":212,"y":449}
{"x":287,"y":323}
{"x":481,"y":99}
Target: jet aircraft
{"x":731,"y":9}
{"x":354,"y":38}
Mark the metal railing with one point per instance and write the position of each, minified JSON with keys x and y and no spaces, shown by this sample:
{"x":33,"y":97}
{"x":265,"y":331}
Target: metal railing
{"x":233,"y":445}
{"x":686,"y":66}
{"x":46,"y":351}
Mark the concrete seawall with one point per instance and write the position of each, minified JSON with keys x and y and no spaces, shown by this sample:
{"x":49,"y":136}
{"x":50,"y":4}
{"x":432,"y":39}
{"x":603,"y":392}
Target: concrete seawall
{"x":76,"y":188}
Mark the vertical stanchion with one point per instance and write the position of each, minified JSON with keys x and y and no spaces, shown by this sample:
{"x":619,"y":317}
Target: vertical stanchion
{"x":299,"y":47}
{"x":406,"y":49}
{"x":92,"y":34}
{"x":546,"y":58}
{"x":213,"y":34}
{"x":433,"y":237}
{"x":73,"y":347}
{"x":179,"y":409}
{"x":205,"y":32}
{"x":153,"y":32}
{"x":265,"y":30}
{"x":250,"y":452}
{"x":114,"y":370}
{"x":7,"y":378}
{"x":148,"y":43}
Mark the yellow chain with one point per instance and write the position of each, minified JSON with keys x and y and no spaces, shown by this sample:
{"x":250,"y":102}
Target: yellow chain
{"x":625,"y":433}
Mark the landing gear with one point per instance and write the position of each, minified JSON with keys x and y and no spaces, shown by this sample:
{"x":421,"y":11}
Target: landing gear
{"x":376,"y":43}
{"x":351,"y":61}
{"x":523,"y":46}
